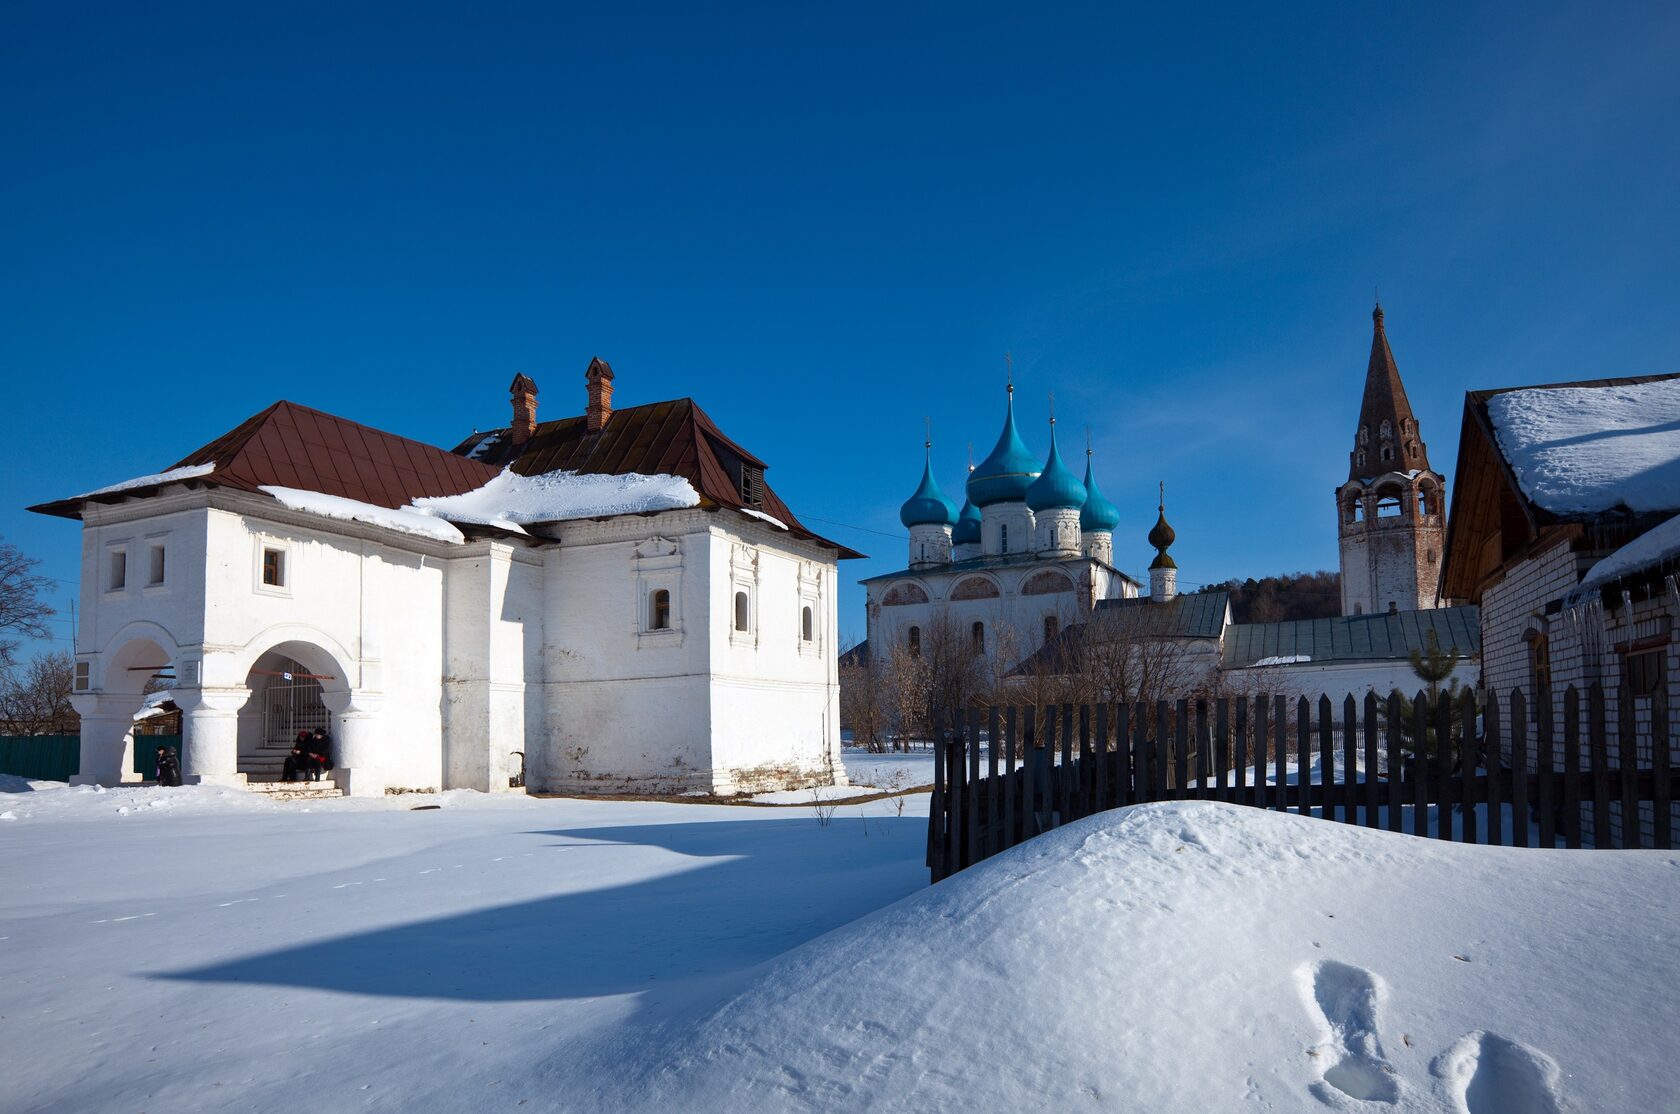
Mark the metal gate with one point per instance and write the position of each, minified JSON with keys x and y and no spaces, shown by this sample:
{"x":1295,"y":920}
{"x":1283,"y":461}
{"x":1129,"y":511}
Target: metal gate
{"x":291,"y":703}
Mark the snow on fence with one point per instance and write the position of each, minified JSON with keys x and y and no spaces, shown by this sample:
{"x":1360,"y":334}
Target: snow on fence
{"x":1544,"y":784}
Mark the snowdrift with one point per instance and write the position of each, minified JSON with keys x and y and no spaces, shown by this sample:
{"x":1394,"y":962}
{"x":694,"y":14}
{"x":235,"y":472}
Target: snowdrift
{"x":1203,"y":957}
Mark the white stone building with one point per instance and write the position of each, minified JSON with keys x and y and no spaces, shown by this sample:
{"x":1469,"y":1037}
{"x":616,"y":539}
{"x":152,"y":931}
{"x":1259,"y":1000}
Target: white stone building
{"x":614,"y":601}
{"x":1030,"y":553}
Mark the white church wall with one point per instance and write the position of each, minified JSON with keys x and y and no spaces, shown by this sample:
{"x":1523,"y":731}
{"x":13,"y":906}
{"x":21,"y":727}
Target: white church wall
{"x":493,"y":600}
{"x":774,"y":695}
{"x":626,"y":704}
{"x":1339,"y":679}
{"x":374,"y":607}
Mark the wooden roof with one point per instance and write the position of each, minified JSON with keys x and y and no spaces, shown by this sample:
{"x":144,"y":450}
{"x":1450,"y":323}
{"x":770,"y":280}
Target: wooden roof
{"x":288,"y":445}
{"x":675,"y":438}
{"x":1492,"y":524}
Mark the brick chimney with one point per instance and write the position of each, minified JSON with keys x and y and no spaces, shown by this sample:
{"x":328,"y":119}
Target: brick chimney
{"x":599,"y":377}
{"x":524,"y":392}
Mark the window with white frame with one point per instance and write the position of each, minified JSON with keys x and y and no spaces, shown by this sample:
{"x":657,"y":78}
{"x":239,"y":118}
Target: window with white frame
{"x":743,"y":612}
{"x":659,"y":609}
{"x":83,"y":676}
{"x":807,"y":624}
{"x":273,"y":566}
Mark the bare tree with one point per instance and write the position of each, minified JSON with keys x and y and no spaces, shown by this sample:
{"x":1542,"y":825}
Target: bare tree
{"x":907,"y":699}
{"x":22,"y":611}
{"x":35,"y":699}
{"x":864,"y":703}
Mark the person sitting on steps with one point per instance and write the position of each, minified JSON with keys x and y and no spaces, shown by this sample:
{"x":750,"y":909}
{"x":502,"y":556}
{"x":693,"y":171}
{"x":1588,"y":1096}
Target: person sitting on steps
{"x":301,"y":760}
{"x":320,"y":753}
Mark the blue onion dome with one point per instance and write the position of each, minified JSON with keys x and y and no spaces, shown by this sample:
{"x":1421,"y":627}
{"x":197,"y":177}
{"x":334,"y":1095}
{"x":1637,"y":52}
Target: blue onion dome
{"x":1005,"y":475}
{"x":968,"y":526}
{"x":1057,"y":487}
{"x":928,"y":507}
{"x":1099,"y":514}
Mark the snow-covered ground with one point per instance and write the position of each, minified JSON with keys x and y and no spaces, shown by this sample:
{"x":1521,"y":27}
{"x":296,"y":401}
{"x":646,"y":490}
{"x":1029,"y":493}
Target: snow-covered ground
{"x":205,"y":949}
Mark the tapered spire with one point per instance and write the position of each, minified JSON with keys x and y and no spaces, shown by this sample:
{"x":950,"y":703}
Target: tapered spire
{"x":1387,"y":438}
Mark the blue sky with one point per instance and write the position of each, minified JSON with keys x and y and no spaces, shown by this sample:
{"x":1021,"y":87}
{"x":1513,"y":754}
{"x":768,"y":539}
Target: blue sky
{"x":826,"y":225}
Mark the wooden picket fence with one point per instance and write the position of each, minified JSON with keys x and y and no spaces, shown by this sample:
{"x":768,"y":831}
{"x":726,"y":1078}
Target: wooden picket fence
{"x":1052,"y":765}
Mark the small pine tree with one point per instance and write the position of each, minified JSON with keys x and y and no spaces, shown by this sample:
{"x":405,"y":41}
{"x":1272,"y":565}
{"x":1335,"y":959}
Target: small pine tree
{"x":1431,"y":665}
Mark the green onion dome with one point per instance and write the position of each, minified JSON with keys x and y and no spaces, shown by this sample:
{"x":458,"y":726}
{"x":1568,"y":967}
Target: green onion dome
{"x":1099,"y":514}
{"x":1005,"y":475}
{"x":968,"y":526}
{"x":929,"y":506}
{"x":1057,"y":488}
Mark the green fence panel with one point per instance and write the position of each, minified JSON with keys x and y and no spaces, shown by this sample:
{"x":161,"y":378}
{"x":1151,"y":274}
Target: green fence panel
{"x":42,"y":757}
{"x":145,"y":753}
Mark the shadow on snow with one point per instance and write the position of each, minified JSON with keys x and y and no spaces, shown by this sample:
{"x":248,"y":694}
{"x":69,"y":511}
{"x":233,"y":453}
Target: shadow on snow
{"x":762,"y":887}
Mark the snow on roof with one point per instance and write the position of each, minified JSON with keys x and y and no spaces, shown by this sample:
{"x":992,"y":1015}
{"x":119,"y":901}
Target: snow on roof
{"x":1650,"y":548}
{"x":512,"y":500}
{"x":174,"y":475}
{"x":1284,"y":659}
{"x":770,"y":518}
{"x":484,"y":443}
{"x":1585,"y":450}
{"x":403,"y":519}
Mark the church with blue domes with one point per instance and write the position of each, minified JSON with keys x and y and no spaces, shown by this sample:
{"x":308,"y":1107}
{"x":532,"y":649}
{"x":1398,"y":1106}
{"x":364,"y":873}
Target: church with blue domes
{"x":1030,"y":553}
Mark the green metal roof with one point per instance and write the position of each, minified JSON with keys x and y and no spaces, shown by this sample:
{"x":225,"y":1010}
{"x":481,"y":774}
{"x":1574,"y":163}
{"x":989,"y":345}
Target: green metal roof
{"x":1193,"y":615}
{"x":1349,"y":638}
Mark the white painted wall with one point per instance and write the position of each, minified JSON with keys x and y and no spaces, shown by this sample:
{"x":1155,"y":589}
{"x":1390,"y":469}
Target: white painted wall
{"x":443,"y":660}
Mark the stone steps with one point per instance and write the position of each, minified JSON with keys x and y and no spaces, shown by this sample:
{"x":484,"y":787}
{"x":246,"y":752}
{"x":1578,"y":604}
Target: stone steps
{"x":278,"y":790}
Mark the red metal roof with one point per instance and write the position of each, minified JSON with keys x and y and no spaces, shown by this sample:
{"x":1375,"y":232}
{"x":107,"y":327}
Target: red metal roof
{"x":288,"y":445}
{"x":675,"y":438}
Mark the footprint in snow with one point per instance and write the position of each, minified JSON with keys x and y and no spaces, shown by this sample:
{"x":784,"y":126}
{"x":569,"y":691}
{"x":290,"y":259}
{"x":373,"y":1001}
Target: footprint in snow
{"x":1344,"y":999}
{"x":1486,"y":1073}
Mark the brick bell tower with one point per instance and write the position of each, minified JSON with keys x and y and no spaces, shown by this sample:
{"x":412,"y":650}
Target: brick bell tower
{"x":1390,"y":513}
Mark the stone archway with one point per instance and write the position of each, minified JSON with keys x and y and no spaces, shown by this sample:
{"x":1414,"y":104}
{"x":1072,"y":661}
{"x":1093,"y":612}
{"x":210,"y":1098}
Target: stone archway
{"x":116,"y":687}
{"x":229,"y":720}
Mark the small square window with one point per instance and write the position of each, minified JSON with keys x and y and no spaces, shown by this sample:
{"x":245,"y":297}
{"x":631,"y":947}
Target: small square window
{"x":274,"y":567}
{"x":157,"y":567}
{"x":82,"y":678}
{"x":119,"y":570}
{"x":1643,"y":672}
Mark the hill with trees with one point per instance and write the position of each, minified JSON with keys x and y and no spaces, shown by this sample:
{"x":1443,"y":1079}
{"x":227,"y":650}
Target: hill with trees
{"x":1276,"y":599}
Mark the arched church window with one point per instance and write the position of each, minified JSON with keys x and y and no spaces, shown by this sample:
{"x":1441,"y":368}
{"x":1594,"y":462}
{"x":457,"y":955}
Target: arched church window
{"x":807,"y":625}
{"x":913,"y":639}
{"x":977,"y":637}
{"x":1003,"y":537}
{"x":1387,"y":430}
{"x":1388,"y":506}
{"x":743,"y":611}
{"x":1388,"y":452}
{"x":1364,"y":435}
{"x":1050,"y":628}
{"x":659,"y":610}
